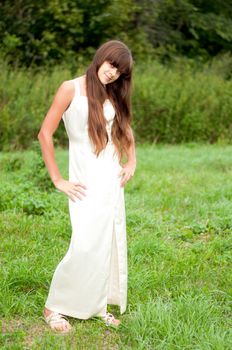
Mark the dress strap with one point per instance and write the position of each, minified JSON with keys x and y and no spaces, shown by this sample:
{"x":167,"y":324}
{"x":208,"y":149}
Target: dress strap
{"x":77,"y":87}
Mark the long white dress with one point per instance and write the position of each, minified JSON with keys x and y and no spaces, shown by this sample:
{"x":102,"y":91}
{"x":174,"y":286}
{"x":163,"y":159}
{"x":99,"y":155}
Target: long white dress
{"x":93,"y":272}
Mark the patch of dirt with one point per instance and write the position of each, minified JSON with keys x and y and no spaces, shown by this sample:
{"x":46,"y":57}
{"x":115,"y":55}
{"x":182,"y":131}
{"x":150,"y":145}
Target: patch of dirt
{"x":10,"y":326}
{"x":108,"y":341}
{"x":204,"y":237}
{"x":31,"y":330}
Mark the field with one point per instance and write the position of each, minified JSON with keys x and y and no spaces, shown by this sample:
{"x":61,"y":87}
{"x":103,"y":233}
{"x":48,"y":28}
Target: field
{"x":162,"y":100}
{"x":179,"y":223}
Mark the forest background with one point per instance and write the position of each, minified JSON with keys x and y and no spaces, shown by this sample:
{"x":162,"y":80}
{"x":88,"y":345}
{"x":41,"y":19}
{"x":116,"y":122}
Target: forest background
{"x":182,"y":53}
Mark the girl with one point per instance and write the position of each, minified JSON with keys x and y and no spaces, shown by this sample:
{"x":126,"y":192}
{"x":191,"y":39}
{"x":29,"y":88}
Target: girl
{"x":96,"y":111}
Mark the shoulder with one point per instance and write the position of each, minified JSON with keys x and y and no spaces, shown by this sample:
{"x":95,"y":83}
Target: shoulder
{"x":67,"y":86}
{"x":66,"y":91}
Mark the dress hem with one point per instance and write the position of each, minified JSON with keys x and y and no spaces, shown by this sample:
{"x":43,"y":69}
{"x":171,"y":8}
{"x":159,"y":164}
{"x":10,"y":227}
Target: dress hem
{"x":79,"y":315}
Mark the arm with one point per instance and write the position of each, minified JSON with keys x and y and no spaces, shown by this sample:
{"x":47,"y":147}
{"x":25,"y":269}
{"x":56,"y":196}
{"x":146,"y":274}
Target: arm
{"x":60,"y":103}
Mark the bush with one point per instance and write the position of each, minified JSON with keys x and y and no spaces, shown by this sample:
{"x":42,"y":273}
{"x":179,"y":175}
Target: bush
{"x":37,"y":172}
{"x":181,"y":102}
{"x":31,"y":188}
{"x":25,"y":197}
{"x":11,"y":162}
{"x":24,"y":102}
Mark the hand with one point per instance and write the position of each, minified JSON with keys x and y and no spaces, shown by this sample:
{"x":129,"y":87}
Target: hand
{"x":127,"y":172}
{"x":71,"y":189}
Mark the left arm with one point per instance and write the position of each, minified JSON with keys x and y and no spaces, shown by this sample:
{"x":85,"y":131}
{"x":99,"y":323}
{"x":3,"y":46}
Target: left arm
{"x":129,"y":168}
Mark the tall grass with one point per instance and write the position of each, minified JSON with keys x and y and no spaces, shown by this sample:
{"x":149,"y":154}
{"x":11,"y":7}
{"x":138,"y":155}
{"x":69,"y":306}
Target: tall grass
{"x":179,"y":227}
{"x":178,"y":103}
{"x":182,"y":103}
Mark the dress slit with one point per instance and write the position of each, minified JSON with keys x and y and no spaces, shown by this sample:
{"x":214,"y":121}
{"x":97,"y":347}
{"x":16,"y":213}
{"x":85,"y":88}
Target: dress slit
{"x":113,"y":286}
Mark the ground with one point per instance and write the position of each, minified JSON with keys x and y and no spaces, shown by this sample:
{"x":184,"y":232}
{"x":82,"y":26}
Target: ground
{"x":179,"y":225}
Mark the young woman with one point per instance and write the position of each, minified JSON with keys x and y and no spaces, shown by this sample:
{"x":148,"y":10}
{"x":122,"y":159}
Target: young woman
{"x":96,"y":111}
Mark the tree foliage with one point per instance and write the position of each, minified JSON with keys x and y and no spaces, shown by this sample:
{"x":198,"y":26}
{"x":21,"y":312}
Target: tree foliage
{"x":187,"y":27}
{"x":49,"y":31}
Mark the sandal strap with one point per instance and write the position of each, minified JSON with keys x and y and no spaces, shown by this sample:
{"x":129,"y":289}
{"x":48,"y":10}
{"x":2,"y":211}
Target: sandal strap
{"x":109,"y":318}
{"x":55,"y":317}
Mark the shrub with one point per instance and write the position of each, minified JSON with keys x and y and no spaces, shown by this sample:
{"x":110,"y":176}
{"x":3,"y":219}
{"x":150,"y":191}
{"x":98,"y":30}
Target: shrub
{"x":178,"y":103}
{"x":11,"y":162}
{"x":181,"y":104}
{"x":37,"y":172}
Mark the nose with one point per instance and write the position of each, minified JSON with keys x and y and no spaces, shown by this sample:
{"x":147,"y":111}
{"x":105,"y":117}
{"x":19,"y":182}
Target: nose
{"x":113,"y":71}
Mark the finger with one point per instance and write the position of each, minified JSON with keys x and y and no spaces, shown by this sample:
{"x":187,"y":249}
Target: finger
{"x":121,"y":172}
{"x":84,"y":194}
{"x":73,"y":196}
{"x":130,"y":174}
{"x":80,"y":184}
{"x":74,"y":190}
{"x":123,"y":178}
{"x":126,"y":179}
{"x":78,"y":195}
{"x":125,"y":174}
{"x":75,"y":193}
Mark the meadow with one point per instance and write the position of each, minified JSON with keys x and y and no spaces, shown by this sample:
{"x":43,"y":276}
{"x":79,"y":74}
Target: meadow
{"x":179,"y":223}
{"x":163,"y":99}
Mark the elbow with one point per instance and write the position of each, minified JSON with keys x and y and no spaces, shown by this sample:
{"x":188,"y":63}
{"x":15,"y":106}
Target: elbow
{"x":43,"y":135}
{"x":40,"y":135}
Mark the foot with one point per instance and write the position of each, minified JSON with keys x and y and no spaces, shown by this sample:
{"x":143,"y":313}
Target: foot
{"x":110,"y":320}
{"x":56,"y":321}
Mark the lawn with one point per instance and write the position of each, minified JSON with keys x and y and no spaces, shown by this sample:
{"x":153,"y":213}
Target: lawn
{"x":179,"y":223}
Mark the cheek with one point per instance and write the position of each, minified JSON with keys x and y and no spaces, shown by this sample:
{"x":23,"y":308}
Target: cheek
{"x":101,"y":70}
{"x":105,"y":67}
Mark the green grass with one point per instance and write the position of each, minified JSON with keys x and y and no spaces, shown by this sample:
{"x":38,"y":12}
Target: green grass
{"x":179,"y":223}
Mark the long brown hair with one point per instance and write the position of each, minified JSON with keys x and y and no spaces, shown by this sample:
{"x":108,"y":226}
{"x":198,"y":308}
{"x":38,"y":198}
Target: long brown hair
{"x":118,"y":92}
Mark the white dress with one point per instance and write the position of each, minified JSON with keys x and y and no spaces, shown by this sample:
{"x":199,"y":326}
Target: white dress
{"x":93,"y":272}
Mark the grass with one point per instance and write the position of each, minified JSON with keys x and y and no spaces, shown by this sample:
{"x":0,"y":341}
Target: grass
{"x":162,"y":100}
{"x":179,"y":223}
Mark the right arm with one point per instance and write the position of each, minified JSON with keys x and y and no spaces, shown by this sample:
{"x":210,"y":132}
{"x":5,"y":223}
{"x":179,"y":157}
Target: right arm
{"x":50,"y":123}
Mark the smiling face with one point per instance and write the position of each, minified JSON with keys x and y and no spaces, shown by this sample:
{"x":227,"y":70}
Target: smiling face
{"x":108,"y":73}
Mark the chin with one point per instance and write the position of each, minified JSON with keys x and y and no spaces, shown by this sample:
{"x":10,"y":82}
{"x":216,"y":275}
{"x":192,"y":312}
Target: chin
{"x":103,"y":80}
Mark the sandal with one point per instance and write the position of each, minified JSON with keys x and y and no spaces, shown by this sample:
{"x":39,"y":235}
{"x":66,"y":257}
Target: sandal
{"x":55,"y":318}
{"x":110,"y":320}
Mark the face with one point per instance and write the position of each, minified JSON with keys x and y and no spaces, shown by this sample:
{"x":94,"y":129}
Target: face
{"x":107,"y":73}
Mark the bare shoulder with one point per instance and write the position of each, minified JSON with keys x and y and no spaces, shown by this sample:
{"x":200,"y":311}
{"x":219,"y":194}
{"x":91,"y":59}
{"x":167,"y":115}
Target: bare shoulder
{"x":65,"y":93}
{"x":67,"y":86}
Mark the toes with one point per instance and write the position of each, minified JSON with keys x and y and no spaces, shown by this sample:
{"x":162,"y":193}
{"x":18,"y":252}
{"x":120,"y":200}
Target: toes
{"x":117,"y":322}
{"x":62,"y":326}
{"x":58,"y":327}
{"x":65,"y":326}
